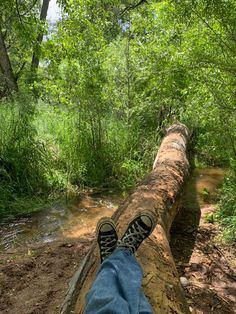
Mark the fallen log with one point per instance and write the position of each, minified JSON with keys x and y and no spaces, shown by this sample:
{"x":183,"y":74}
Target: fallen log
{"x":159,"y":191}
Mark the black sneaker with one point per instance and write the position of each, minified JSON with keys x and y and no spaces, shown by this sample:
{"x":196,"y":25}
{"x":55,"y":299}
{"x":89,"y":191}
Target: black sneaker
{"x":138,"y":230}
{"x":106,"y":236}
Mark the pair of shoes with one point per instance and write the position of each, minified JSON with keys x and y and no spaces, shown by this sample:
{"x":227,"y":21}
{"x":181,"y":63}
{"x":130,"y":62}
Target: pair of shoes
{"x":138,"y":230}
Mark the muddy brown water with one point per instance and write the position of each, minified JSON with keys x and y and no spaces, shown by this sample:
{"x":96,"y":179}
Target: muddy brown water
{"x":74,"y":221}
{"x":59,"y":221}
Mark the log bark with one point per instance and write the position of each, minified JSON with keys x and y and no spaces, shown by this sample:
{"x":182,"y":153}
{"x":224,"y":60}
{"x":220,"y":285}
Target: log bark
{"x":159,"y":191}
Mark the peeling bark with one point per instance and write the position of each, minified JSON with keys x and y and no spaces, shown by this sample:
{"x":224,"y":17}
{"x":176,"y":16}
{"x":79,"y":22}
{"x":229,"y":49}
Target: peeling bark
{"x":159,"y":192}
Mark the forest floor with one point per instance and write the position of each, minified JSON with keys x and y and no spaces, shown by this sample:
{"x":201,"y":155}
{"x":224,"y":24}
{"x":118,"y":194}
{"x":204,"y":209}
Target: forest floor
{"x":34,"y":279}
{"x":207,"y":265}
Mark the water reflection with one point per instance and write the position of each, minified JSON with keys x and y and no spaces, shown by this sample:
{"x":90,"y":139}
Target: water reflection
{"x":58,"y":222}
{"x":83,"y":219}
{"x":201,"y":188}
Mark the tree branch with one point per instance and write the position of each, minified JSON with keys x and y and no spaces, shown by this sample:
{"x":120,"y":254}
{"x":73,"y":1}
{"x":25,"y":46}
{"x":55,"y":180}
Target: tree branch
{"x":36,"y":51}
{"x":132,"y":7}
{"x":6,"y":67}
{"x":18,"y":12}
{"x":17,"y":75}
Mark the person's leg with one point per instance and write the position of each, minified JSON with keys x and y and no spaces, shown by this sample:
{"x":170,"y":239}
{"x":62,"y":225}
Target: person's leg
{"x":117,"y":287}
{"x":144,"y":305}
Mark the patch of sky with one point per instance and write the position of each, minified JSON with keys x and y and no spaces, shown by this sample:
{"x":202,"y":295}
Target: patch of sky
{"x":124,"y":25}
{"x":53,"y":16}
{"x":54,"y":12}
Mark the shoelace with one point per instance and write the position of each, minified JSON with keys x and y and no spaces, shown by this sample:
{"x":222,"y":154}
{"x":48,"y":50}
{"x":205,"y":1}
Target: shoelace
{"x":107,"y":244}
{"x":133,"y":237}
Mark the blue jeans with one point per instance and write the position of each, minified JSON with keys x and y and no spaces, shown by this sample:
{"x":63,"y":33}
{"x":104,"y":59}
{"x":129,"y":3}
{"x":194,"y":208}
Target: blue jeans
{"x":117,"y":287}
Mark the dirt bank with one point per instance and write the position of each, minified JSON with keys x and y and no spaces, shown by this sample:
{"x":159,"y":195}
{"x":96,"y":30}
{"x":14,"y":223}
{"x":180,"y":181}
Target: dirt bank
{"x":207,"y":265}
{"x":34,"y":280}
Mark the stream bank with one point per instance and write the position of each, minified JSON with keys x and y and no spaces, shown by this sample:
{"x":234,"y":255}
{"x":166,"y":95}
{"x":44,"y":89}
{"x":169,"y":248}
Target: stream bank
{"x":205,"y":264}
{"x":35,"y":271}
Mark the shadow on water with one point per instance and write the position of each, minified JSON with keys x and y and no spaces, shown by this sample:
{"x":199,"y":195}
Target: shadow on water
{"x":183,"y":230}
{"x":198,"y":195}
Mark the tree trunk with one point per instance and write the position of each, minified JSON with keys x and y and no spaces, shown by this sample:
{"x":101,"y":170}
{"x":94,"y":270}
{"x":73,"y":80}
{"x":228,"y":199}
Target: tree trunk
{"x":36,"y":52}
{"x":159,"y":191}
{"x":6,"y":68}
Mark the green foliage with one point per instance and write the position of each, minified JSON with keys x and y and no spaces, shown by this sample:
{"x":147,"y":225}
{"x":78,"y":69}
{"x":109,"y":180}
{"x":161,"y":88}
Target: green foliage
{"x":77,"y":158}
{"x":205,"y":194}
{"x":208,"y":53}
{"x":23,"y":159}
{"x":210,"y":218}
{"x":20,"y":26}
{"x":227,"y":212}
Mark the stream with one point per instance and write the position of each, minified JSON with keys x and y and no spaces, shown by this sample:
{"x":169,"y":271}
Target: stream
{"x":63,"y":222}
{"x":59,"y":221}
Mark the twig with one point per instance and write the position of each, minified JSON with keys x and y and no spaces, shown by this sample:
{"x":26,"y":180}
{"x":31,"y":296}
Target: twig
{"x":132,"y":6}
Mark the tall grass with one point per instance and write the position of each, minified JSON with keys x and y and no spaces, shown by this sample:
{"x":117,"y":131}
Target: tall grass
{"x":116,"y":154}
{"x":46,"y":148}
{"x":24,"y":161}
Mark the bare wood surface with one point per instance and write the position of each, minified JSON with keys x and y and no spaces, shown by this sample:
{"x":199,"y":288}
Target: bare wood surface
{"x":159,"y":192}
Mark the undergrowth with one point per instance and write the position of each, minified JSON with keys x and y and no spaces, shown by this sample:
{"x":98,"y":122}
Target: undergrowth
{"x":227,"y":206}
{"x":46,"y":148}
{"x":24,"y":160}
